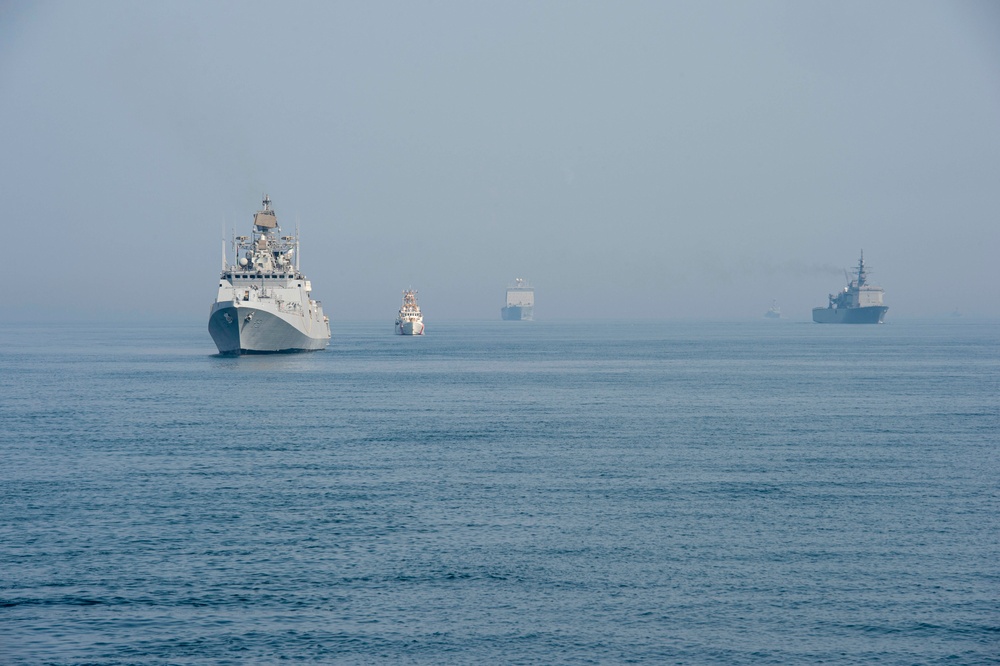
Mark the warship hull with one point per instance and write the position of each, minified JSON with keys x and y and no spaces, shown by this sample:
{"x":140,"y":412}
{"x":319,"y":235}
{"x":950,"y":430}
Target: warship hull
{"x":410,"y":328}
{"x":516,"y":313}
{"x":240,"y":330}
{"x":874,"y":314}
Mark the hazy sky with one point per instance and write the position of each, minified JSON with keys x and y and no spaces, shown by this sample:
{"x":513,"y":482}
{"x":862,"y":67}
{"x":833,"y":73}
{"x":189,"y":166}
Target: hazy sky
{"x":631,"y":159}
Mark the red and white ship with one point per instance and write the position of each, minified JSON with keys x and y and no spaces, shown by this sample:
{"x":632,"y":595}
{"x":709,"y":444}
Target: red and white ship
{"x":410,"y":321}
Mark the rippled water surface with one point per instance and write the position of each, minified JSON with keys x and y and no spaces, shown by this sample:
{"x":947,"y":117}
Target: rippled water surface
{"x":503,"y":492}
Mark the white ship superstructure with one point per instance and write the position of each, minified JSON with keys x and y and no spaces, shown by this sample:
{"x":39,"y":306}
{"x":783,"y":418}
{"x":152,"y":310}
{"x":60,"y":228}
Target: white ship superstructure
{"x":410,"y":321}
{"x":520,"y":304}
{"x":264,"y":303}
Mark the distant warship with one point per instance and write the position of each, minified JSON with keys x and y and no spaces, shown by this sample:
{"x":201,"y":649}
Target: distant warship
{"x":858,"y":303}
{"x":263,"y":305}
{"x":774,"y":312}
{"x":409,"y":320}
{"x":520,"y":304}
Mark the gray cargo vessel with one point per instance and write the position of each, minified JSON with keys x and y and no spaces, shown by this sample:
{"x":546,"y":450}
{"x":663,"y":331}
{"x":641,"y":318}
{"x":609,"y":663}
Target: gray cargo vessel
{"x":520,"y":304}
{"x":858,"y":303}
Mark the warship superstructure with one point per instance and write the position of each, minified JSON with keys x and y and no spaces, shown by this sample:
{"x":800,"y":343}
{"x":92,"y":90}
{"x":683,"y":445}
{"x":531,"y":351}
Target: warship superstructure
{"x":858,"y":303}
{"x":410,"y":321}
{"x":520,"y":304}
{"x":264,"y":303}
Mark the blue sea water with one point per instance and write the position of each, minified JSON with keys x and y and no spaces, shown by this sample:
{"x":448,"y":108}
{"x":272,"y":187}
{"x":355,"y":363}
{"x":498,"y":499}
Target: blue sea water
{"x":500,"y":492}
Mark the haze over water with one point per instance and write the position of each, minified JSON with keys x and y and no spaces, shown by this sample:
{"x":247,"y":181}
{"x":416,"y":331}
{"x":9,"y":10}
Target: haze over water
{"x":640,"y":160}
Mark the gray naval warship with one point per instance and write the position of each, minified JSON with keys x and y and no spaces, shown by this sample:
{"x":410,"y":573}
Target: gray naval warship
{"x":858,"y":303}
{"x":264,"y":304}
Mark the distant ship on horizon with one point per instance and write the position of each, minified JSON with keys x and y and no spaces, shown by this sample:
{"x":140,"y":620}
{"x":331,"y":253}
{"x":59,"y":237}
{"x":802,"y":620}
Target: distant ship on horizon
{"x":774,"y":312}
{"x":520,"y":302}
{"x":409,"y":320}
{"x":858,"y":303}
